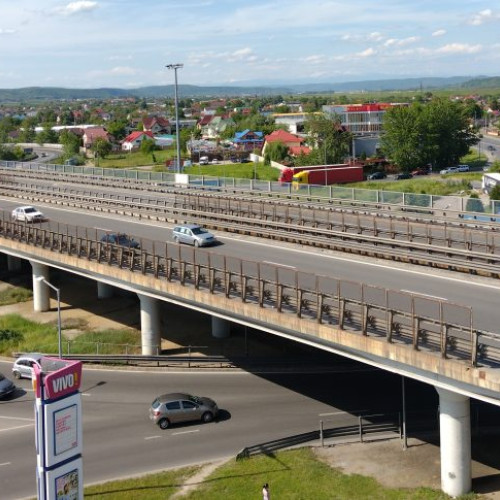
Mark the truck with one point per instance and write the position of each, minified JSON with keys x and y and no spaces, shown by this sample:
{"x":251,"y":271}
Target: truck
{"x":326,"y":176}
{"x":288,"y":173}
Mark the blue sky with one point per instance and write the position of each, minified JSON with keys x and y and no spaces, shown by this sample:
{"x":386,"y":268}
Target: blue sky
{"x":126,"y":44}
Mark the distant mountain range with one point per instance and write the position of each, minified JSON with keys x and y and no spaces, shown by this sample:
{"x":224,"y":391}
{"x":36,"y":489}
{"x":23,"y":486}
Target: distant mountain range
{"x":30,"y":94}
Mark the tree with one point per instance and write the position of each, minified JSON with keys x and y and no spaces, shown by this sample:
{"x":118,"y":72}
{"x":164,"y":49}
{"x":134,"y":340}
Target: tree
{"x":47,"y":136}
{"x":117,"y":128}
{"x":101,"y":147}
{"x":439,"y":132}
{"x":332,"y":141}
{"x":275,"y":151}
{"x":402,"y":137}
{"x":147,"y":146}
{"x":71,"y":143}
{"x":495,"y":192}
{"x":28,"y":133}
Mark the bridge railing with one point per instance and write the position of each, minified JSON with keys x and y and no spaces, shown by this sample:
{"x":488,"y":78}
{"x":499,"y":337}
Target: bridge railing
{"x":421,"y":323}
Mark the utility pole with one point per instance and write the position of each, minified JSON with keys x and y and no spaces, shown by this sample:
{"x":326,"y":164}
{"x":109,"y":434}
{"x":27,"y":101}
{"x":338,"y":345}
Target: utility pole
{"x":175,"y":67}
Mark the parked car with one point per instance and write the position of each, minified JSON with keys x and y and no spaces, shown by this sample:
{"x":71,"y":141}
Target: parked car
{"x":27,"y":214}
{"x":215,"y":161}
{"x":120,"y":239}
{"x":193,"y":234}
{"x":463,"y":168}
{"x":179,"y":407}
{"x":203,"y":160}
{"x":420,"y":171}
{"x":7,"y":387}
{"x":377,"y":176}
{"x":491,"y":148}
{"x":449,"y":170}
{"x":23,"y":365}
{"x":404,"y":175}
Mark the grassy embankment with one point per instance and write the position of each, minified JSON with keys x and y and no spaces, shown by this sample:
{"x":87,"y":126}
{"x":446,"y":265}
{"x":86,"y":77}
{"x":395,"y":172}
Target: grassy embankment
{"x":292,"y":475}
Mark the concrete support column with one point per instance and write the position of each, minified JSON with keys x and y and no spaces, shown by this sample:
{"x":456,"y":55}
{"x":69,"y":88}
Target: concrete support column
{"x":455,"y":434}
{"x":221,"y":328}
{"x":150,"y":325}
{"x":13,"y":263}
{"x":41,"y":292}
{"x":104,"y":291}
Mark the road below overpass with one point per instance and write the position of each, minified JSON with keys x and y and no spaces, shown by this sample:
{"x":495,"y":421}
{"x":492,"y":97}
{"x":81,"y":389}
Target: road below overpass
{"x":119,"y":440}
{"x":482,"y":294}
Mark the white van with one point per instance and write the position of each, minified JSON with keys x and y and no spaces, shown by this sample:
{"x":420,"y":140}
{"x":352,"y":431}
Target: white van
{"x":203,"y":160}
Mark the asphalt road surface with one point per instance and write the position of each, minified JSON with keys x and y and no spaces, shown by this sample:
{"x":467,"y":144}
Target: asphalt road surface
{"x":119,"y":440}
{"x":482,"y":294}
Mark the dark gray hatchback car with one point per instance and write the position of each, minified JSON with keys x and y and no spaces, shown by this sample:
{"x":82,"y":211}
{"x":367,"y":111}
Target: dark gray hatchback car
{"x":179,"y":407}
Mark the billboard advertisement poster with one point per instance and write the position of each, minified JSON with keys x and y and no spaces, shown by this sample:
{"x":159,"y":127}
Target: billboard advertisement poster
{"x":66,"y":482}
{"x":63,"y":429}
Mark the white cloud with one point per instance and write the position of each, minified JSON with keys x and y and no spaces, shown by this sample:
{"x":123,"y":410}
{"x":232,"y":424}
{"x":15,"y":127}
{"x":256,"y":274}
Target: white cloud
{"x":375,"y":36}
{"x":116,"y":71}
{"x":439,"y":33}
{"x":459,"y":48}
{"x":482,"y":17}
{"x":77,"y":7}
{"x":401,"y":42}
{"x":367,"y":53}
{"x":7,"y":32}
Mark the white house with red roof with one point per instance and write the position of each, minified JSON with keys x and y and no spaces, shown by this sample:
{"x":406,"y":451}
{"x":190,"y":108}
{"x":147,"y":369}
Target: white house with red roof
{"x":134,"y":139}
{"x":291,"y":141}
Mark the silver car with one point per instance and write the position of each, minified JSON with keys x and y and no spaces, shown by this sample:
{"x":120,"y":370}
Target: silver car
{"x":27,"y":214}
{"x":179,"y":407}
{"x":193,"y":234}
{"x":7,"y":387}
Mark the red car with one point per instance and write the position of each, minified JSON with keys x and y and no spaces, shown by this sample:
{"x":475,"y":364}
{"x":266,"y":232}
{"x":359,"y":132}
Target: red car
{"x":420,"y":171}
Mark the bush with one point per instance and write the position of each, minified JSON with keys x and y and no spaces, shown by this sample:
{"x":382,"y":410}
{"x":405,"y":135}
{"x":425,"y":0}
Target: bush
{"x":474,"y":204}
{"x":495,"y":193}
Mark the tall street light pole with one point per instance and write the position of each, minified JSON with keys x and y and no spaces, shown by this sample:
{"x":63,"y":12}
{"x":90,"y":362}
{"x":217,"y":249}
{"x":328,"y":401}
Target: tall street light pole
{"x":58,"y":293}
{"x":175,"y":67}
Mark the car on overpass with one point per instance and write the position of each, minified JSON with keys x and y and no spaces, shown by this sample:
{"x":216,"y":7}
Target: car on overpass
{"x":192,"y":234}
{"x":27,"y":214}
{"x":120,"y":239}
{"x":178,"y":407}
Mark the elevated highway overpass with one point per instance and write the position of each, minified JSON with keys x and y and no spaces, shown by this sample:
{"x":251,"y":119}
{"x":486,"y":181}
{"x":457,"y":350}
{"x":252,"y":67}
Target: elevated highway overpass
{"x":429,"y":339}
{"x":422,"y":338}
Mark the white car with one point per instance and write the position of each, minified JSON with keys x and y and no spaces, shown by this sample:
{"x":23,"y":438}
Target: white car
{"x":449,"y":170}
{"x":27,"y":214}
{"x":463,"y":168}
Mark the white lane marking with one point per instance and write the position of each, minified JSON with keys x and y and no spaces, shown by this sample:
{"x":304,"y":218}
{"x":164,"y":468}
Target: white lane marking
{"x":5,"y":463}
{"x":372,"y":264}
{"x":17,"y":427}
{"x":277,"y":264}
{"x":85,"y":393}
{"x":425,"y":295}
{"x":18,"y":418}
{"x":103,"y":229}
{"x":152,"y":437}
{"x":350,"y":412}
{"x":185,"y":432}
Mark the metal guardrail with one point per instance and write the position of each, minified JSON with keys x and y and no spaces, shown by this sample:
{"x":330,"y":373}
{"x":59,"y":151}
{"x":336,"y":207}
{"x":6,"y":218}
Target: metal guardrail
{"x":453,"y":203}
{"x":456,"y":248}
{"x":381,"y":427}
{"x":418,"y":322}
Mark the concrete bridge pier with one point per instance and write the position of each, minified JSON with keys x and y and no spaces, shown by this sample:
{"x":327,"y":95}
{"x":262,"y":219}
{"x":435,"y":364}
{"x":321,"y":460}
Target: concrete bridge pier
{"x":150,"y":325}
{"x":13,"y":263}
{"x":221,"y":328}
{"x":104,"y":291}
{"x":455,"y":435}
{"x":41,"y":292}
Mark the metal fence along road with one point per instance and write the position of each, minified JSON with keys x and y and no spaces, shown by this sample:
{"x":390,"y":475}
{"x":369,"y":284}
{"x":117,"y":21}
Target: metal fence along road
{"x":417,"y":322}
{"x":334,"y":192}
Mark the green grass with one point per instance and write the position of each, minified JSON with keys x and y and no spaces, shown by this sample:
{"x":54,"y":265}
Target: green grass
{"x":236,"y":170}
{"x":292,"y":475}
{"x":15,"y":295}
{"x":18,"y":334}
{"x":136,"y":159}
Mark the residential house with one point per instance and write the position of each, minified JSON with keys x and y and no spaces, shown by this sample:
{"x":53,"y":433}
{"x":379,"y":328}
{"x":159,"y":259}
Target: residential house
{"x":134,"y":139}
{"x":156,"y":125}
{"x":248,"y":140}
{"x":291,"y":141}
{"x":91,"y":134}
{"x":216,"y":126}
